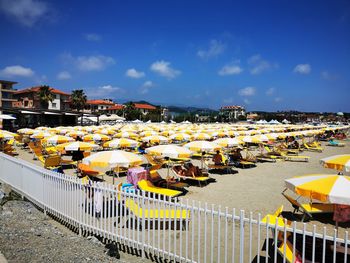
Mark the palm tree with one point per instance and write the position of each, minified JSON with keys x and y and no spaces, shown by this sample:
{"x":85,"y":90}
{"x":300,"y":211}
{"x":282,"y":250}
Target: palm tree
{"x":78,"y":99}
{"x":45,"y":96}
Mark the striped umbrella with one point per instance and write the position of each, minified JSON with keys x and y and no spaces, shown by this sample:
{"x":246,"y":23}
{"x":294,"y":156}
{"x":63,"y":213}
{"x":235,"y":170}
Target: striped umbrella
{"x":148,"y":133}
{"x":169,"y":150}
{"x":328,"y":188}
{"x":6,"y":135}
{"x":75,"y":146}
{"x":337,"y":162}
{"x":96,"y":137}
{"x":201,"y":136}
{"x":41,"y":135}
{"x":228,"y":142}
{"x":26,"y":131}
{"x":155,"y":139}
{"x":56,"y":139}
{"x":121,"y":143}
{"x":126,"y":134}
{"x":202,"y":146}
{"x":180,"y":137}
{"x":107,"y":160}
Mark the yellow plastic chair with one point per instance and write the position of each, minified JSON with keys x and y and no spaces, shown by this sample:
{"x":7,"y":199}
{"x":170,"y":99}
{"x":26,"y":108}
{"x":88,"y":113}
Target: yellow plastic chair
{"x":147,"y":186}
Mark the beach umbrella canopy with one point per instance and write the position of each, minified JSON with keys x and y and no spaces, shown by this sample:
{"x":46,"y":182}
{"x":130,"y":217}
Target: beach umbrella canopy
{"x":41,"y":135}
{"x":328,"y":188}
{"x":202,"y":146}
{"x":228,"y":142}
{"x":126,"y":134}
{"x":6,"y":135}
{"x":96,"y":137}
{"x":110,"y":159}
{"x":201,"y":136}
{"x":75,"y":146}
{"x":57,"y":139}
{"x":121,"y":143}
{"x":170,"y":151}
{"x":337,"y":162}
{"x":148,"y":133}
{"x":180,"y":137}
{"x":26,"y":131}
{"x":155,"y":139}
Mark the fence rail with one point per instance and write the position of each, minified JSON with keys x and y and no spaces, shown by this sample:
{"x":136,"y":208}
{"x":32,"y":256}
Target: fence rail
{"x":182,"y":231}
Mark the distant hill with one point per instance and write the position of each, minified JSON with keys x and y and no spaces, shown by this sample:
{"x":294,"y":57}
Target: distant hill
{"x":178,"y":109}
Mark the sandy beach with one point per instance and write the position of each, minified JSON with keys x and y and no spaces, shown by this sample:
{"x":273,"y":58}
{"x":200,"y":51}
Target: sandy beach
{"x":256,"y":189}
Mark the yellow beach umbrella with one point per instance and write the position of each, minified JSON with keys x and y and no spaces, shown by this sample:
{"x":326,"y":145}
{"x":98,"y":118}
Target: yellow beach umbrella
{"x":202,"y":146}
{"x":155,"y":139}
{"x":6,"y":135}
{"x":121,"y":143}
{"x":108,"y":160}
{"x":170,"y":151}
{"x":56,"y":139}
{"x":75,"y":146}
{"x":26,"y":131}
{"x":41,"y":135}
{"x":96,"y":137}
{"x":328,"y":188}
{"x":180,"y":137}
{"x":337,"y":162}
{"x":228,"y":142}
{"x":201,"y":136}
{"x":126,"y":134}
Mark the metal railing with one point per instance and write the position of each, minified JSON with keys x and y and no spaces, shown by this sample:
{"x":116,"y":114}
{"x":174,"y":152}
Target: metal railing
{"x":178,"y":230}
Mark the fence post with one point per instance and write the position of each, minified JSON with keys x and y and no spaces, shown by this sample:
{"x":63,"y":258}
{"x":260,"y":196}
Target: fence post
{"x":241,"y":237}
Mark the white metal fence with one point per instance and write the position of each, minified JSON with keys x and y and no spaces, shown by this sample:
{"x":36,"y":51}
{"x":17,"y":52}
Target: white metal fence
{"x":200,"y":233}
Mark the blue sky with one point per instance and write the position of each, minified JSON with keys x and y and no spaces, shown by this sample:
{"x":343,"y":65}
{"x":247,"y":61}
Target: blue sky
{"x":264,"y":55}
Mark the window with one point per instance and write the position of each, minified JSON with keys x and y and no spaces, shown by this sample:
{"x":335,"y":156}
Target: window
{"x":54,"y":105}
{"x":25,"y":103}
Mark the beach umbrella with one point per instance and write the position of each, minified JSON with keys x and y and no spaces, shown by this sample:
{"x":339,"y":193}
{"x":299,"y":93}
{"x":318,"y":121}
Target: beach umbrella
{"x":126,"y":134}
{"x":95,"y":137}
{"x":148,"y":133}
{"x":329,"y":188}
{"x":109,"y":160}
{"x":180,"y":137}
{"x":75,"y":134}
{"x":170,"y":151}
{"x":41,"y":135}
{"x":56,"y":139}
{"x":167,"y":133}
{"x":75,"y":146}
{"x":201,"y":136}
{"x":107,"y":131}
{"x":250,"y":139}
{"x":202,"y":146}
{"x":26,"y":131}
{"x":228,"y":142}
{"x":337,"y":162}
{"x":155,"y":139}
{"x":121,"y":143}
{"x":6,"y":135}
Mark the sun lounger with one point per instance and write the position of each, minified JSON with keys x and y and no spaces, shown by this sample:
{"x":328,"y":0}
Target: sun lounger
{"x":147,"y":186}
{"x":199,"y":179}
{"x":335,"y":143}
{"x":157,"y":180}
{"x":51,"y":162}
{"x":309,"y":209}
{"x":312,"y":148}
{"x":296,"y":158}
{"x":87,"y":170}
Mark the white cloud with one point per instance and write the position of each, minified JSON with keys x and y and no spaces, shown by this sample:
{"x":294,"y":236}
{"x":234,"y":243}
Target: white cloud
{"x":146,"y":87}
{"x":163,"y":68}
{"x":64,"y":75}
{"x":259,"y":65}
{"x":215,"y":49}
{"x":133,"y":73}
{"x":26,"y":12}
{"x":88,"y":63}
{"x":17,"y":71}
{"x":92,"y":37}
{"x":246,"y":101}
{"x":230,"y":70}
{"x":302,"y":69}
{"x":247,"y":91}
{"x":104,"y":92}
{"x":270,"y":91}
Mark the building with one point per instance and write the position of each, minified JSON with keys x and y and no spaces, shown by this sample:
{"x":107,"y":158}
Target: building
{"x":6,"y":96}
{"x":94,"y":106}
{"x":30,"y":99}
{"x":144,"y":108}
{"x":230,"y":113}
{"x":114,"y":109}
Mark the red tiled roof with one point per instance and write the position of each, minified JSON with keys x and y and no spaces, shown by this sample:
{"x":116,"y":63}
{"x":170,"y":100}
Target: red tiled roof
{"x":37,"y":89}
{"x":116,"y":107}
{"x":99,"y":102}
{"x":144,"y":106}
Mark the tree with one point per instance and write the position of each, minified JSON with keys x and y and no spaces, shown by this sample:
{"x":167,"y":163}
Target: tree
{"x":78,"y":99}
{"x":130,"y":112}
{"x":45,"y":96}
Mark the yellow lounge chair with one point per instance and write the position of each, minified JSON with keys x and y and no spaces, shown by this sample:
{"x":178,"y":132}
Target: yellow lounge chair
{"x":199,"y":179}
{"x":309,"y":209}
{"x":147,"y":186}
{"x":313,"y":148}
{"x":285,"y":249}
{"x":51,"y":162}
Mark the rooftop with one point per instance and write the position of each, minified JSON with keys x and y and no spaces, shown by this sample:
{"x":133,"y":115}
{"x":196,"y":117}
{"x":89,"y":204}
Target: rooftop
{"x":116,"y":107}
{"x":99,"y":102}
{"x":7,"y":82}
{"x":37,"y":89}
{"x":144,"y":106}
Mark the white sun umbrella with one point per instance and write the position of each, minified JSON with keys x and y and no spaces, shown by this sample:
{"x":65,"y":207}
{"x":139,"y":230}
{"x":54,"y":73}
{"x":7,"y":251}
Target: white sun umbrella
{"x":56,"y":139}
{"x":6,"y":135}
{"x":228,"y":142}
{"x":202,"y":146}
{"x":109,"y":160}
{"x":75,"y":146}
{"x":170,"y":151}
{"x":121,"y":143}
{"x":155,"y":139}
